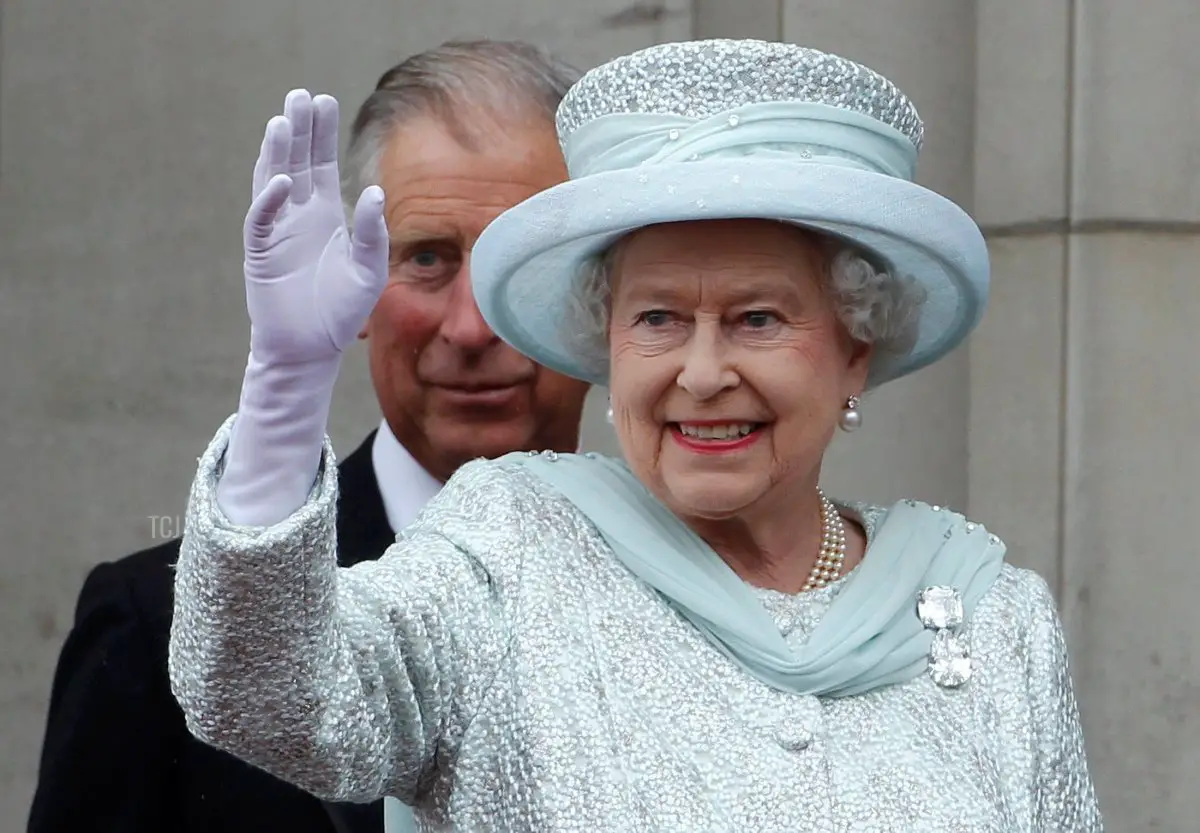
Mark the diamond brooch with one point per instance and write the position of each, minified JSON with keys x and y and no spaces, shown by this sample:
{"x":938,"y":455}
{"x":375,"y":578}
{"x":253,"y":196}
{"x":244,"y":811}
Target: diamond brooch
{"x":940,"y":610}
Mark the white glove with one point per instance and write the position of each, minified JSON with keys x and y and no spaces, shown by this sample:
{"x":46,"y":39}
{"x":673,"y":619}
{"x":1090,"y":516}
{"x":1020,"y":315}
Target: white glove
{"x":310,"y":286}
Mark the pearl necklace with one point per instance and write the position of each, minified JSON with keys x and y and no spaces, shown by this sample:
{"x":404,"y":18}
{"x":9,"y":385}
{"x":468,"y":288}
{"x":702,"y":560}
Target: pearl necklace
{"x":828,"y":565}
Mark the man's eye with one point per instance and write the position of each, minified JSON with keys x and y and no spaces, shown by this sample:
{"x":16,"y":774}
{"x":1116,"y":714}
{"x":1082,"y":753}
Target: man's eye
{"x":426,"y":259}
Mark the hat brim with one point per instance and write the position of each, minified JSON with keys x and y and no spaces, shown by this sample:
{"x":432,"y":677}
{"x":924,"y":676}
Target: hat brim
{"x":527,"y":262}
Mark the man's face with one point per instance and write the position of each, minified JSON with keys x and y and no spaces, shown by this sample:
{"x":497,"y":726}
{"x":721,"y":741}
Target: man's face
{"x":449,"y":389}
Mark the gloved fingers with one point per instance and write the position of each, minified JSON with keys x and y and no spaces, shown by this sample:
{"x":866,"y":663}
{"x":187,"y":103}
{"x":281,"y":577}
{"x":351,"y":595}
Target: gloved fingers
{"x":347,"y":300}
{"x":369,"y":240}
{"x":278,"y":143}
{"x":264,"y":211}
{"x":326,"y":182}
{"x":260,"y":170}
{"x":298,"y":110}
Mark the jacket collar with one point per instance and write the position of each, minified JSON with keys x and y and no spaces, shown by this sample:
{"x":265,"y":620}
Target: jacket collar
{"x":362,"y":524}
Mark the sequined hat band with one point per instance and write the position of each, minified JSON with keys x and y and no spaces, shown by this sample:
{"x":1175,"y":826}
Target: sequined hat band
{"x":788,"y":132}
{"x":706,"y":78}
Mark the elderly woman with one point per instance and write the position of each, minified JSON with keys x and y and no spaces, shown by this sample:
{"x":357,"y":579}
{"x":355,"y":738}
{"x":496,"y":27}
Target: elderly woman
{"x":697,"y":639}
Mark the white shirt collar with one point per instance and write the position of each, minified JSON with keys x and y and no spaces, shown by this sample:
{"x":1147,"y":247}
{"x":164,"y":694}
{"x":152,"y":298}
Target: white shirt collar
{"x":403,"y":484}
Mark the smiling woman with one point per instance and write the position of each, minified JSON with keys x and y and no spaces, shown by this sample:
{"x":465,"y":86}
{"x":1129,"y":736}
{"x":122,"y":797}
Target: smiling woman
{"x":717,"y":327}
{"x":695,"y":637}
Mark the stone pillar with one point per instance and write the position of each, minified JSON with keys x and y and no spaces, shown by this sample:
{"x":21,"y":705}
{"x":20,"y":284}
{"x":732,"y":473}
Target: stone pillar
{"x":757,"y":19}
{"x":1083,"y":398}
{"x":914,"y":439}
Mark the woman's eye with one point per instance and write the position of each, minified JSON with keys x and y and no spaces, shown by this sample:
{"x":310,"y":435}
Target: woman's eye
{"x":426,"y":259}
{"x":654,"y":317}
{"x":760,"y":318}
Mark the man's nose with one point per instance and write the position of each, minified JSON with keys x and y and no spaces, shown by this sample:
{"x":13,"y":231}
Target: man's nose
{"x":463,"y":325}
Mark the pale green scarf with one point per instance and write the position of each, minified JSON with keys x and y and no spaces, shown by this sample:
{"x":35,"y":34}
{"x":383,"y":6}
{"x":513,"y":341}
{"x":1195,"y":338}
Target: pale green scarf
{"x":871,"y":635}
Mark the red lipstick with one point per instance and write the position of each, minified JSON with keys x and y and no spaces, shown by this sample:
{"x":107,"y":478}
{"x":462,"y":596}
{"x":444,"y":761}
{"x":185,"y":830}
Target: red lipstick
{"x":713,"y":446}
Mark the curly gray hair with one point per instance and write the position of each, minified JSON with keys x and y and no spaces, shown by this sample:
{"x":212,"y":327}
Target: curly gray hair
{"x":875,"y":306}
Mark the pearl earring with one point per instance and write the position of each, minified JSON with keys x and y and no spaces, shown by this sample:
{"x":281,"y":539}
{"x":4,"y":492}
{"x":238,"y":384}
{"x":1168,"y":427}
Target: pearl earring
{"x":851,"y":417}
{"x":609,"y":415}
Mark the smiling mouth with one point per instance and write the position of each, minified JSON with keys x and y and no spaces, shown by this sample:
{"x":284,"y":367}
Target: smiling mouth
{"x":716,"y":432}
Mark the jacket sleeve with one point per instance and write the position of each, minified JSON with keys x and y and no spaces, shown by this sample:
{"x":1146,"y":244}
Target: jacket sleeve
{"x":108,"y":748}
{"x":351,"y":683}
{"x":1063,"y":792}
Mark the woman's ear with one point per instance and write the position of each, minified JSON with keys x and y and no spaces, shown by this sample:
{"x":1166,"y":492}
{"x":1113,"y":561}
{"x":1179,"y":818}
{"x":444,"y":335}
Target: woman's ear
{"x":859,"y":367}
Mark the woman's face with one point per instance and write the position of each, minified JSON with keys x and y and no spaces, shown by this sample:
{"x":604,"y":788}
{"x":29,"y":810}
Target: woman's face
{"x":730,"y":367}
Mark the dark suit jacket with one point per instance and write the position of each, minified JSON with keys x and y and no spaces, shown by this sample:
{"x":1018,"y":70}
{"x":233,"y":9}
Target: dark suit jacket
{"x":117,"y":756}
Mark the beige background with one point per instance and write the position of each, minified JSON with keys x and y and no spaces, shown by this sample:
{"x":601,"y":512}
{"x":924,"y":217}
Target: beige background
{"x":128,"y":130}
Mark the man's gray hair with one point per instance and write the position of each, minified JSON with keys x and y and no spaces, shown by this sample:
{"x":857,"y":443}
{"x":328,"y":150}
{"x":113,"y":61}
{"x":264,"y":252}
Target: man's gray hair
{"x":460,"y":83}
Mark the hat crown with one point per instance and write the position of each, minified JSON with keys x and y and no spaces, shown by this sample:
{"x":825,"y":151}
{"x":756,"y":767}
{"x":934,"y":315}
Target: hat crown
{"x":706,"y":78}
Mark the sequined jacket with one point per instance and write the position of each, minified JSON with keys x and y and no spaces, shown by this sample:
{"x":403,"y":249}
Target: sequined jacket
{"x":501,"y":671}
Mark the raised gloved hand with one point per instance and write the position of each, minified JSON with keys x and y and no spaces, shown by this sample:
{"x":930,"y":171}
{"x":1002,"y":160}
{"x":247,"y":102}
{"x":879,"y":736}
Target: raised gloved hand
{"x":310,"y":286}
